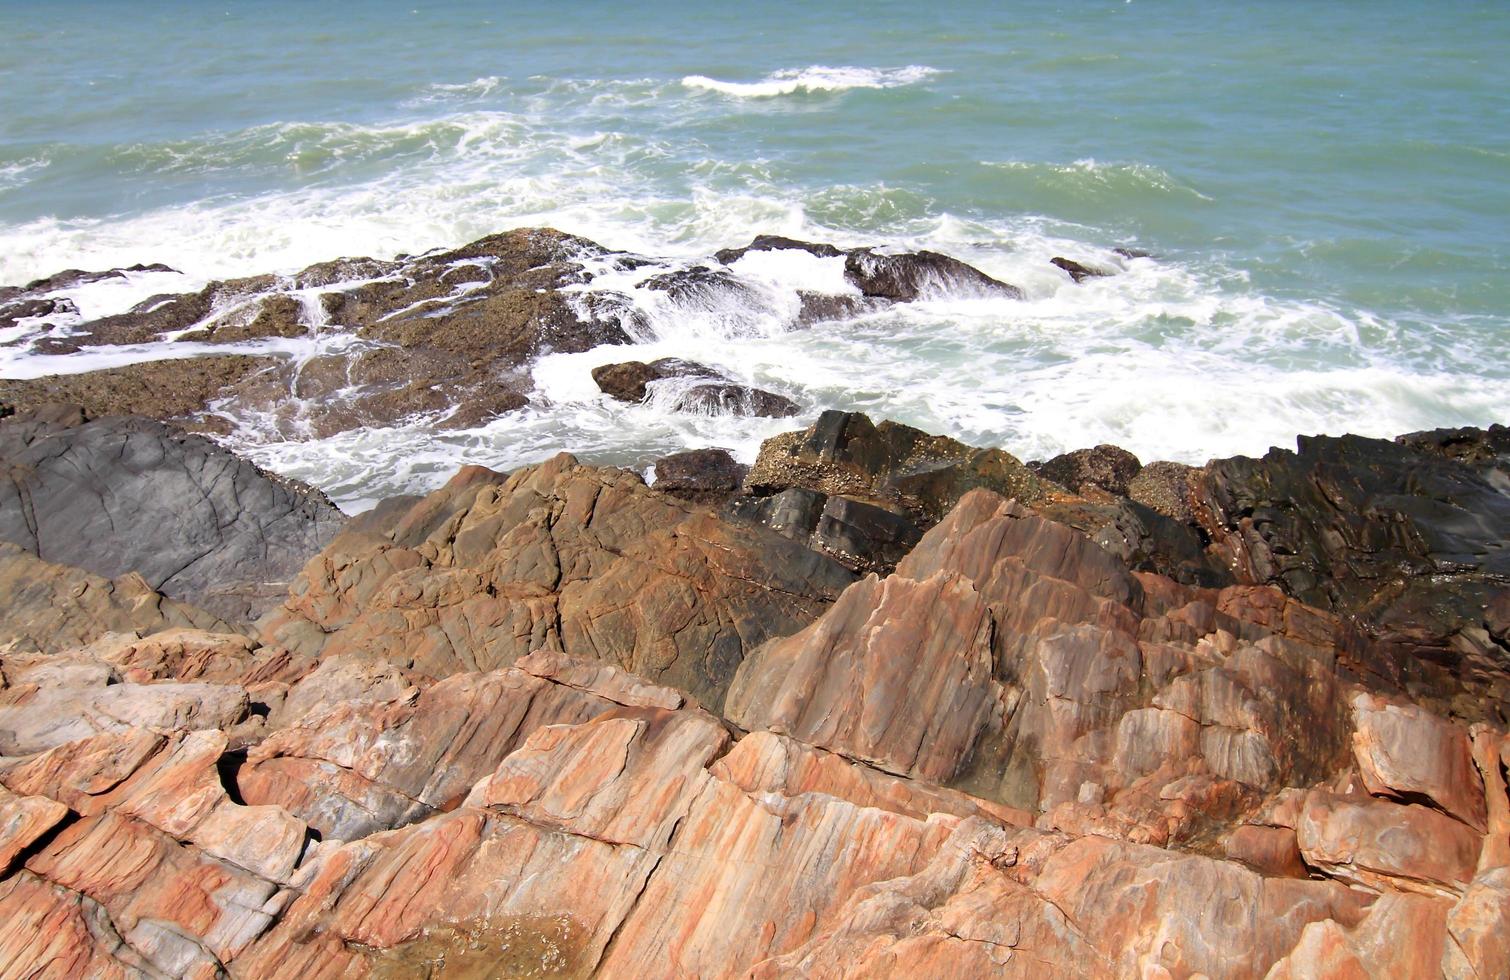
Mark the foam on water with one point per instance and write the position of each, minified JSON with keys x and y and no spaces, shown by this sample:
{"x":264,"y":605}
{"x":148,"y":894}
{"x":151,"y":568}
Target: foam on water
{"x":1227,"y":340}
{"x":814,"y":78}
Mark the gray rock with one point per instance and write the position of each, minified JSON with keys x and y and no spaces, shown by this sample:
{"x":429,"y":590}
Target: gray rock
{"x":125,"y":494}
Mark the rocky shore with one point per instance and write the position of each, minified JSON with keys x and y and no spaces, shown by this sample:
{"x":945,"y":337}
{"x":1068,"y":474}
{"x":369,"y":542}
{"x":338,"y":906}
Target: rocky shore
{"x":879,"y":704}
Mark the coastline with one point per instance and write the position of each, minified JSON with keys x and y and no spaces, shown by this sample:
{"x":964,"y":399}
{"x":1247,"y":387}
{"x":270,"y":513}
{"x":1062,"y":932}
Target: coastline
{"x":559,"y":722}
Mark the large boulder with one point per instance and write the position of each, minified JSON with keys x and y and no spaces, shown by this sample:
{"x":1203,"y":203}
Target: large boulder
{"x":120,"y":494}
{"x":701,"y":389}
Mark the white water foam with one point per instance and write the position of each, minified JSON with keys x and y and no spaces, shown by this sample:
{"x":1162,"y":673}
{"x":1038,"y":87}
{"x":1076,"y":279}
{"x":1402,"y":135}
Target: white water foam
{"x":814,"y":79}
{"x":20,"y":172}
{"x":1172,"y":357}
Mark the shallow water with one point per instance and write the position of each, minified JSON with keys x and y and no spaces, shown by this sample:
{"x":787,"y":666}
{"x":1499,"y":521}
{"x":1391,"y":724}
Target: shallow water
{"x":1322,"y":188}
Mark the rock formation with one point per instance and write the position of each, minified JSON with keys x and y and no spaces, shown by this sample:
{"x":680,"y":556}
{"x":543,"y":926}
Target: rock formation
{"x":694,"y":388}
{"x":447,"y":337}
{"x":118,"y":495}
{"x":559,"y":723}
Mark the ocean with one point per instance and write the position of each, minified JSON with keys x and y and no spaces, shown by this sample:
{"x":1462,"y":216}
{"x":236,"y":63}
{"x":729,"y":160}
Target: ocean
{"x":1323,"y":190}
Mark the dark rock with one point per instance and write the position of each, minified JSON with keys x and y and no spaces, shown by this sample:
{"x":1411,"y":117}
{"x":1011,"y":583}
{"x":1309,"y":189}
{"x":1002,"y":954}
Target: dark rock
{"x":276,"y":315}
{"x":1466,"y":445}
{"x":722,"y":398}
{"x":1141,"y":537}
{"x":630,"y":381}
{"x":627,"y":381}
{"x":770,"y":243}
{"x":793,"y":513}
{"x":706,"y":475}
{"x":1077,"y":271}
{"x":1410,"y":541}
{"x":863,"y":536}
{"x":696,"y":283}
{"x":26,"y":307}
{"x":1132,"y":253}
{"x":1106,"y":468}
{"x":823,"y":307}
{"x":70,"y":278}
{"x":909,"y":276}
{"x":120,"y":495}
{"x":895,"y":465}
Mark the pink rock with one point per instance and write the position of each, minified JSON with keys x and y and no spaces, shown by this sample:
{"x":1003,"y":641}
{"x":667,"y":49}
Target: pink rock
{"x":1382,"y":845}
{"x":1405,"y":751}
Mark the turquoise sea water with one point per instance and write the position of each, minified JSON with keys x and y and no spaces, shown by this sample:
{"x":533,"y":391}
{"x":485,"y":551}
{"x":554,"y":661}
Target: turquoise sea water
{"x":1325,"y":189}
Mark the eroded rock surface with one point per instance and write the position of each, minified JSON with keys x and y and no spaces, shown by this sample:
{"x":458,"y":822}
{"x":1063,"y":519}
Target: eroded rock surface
{"x":563,"y":557}
{"x":492,"y":732}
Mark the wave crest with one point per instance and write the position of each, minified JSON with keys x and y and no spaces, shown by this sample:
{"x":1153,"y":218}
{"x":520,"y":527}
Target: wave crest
{"x":813,"y":79}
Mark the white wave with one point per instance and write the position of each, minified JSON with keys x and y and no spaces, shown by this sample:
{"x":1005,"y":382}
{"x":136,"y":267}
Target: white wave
{"x":815,"y":78}
{"x":20,"y":172}
{"x":1089,"y":173}
{"x":477,"y":88}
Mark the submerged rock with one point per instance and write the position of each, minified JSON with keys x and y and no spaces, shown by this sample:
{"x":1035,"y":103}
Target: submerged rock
{"x":707,"y":392}
{"x":909,"y":276}
{"x":1077,"y":271}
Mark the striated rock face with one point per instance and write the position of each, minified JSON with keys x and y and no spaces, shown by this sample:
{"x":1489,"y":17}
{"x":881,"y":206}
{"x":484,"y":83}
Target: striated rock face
{"x":590,"y":562}
{"x":50,"y":608}
{"x":557,"y":723}
{"x":118,"y":495}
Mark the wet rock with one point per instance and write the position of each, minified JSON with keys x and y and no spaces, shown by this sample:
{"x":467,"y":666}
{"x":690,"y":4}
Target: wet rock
{"x":706,"y":475}
{"x":769,"y":243}
{"x":1106,"y":468}
{"x":909,"y":276}
{"x":707,"y":392}
{"x":697,"y":283}
{"x":824,"y":307}
{"x":1078,"y":272}
{"x":629,"y":381}
{"x":121,"y":495}
{"x":168,"y":390}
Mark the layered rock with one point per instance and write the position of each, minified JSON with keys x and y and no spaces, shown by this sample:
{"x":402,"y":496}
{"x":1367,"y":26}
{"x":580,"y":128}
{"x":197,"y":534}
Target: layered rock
{"x":1405,"y":536}
{"x":1015,"y":755}
{"x":562,"y":557}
